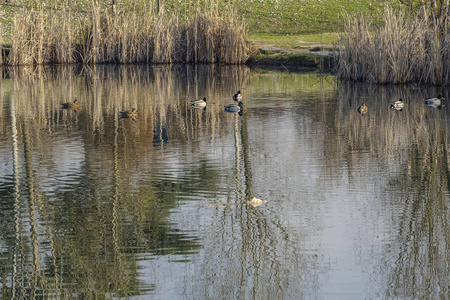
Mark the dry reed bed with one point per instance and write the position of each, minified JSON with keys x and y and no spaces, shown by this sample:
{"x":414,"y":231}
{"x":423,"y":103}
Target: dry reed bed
{"x":112,"y":36}
{"x":403,"y":49}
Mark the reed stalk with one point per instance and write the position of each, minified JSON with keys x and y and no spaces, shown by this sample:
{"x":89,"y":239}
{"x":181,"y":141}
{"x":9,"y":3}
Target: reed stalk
{"x":211,"y":38}
{"x":1,"y":47}
{"x":402,"y":49}
{"x":64,"y":44}
{"x":165,"y":41}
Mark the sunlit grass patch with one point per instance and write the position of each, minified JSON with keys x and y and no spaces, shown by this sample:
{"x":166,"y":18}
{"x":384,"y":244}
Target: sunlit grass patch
{"x":305,"y":17}
{"x":295,"y":40}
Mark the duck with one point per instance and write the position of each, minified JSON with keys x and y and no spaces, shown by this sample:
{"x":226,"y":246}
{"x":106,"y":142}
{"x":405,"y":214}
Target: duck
{"x":234,"y":107}
{"x":398,"y":105}
{"x":434,"y":102}
{"x":71,"y":105}
{"x":198,"y":103}
{"x":363,"y":109}
{"x":237,"y":96}
{"x":129,"y":114}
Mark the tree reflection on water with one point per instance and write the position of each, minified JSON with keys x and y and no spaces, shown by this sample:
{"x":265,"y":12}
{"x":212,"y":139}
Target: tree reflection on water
{"x":96,"y":206}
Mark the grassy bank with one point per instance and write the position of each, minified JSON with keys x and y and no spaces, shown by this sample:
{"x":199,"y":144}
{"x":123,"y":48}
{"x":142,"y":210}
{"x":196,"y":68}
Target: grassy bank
{"x":293,"y":41}
{"x":297,"y":62}
{"x":288,"y":17}
{"x":272,"y":17}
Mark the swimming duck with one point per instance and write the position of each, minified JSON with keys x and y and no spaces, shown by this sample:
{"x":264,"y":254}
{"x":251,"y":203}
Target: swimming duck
{"x":435,"y":102}
{"x":234,"y":107}
{"x":130,"y":114}
{"x":237,"y":96}
{"x":363,"y":109}
{"x":398,"y":105}
{"x":71,"y":105}
{"x":198,"y":103}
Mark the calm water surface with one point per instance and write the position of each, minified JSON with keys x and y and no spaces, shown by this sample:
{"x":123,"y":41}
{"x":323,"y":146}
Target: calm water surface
{"x":93,"y":206}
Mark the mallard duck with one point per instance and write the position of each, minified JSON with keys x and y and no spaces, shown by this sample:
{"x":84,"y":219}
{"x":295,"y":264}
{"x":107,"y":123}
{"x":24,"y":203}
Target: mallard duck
{"x":398,"y":105}
{"x":434,"y":102}
{"x":71,"y":105}
{"x":237,"y":96}
{"x":130,"y":114}
{"x":234,"y":107}
{"x":363,"y":109}
{"x":198,"y":103}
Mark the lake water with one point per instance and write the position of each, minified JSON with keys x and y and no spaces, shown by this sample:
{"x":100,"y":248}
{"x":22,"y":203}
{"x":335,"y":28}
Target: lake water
{"x":93,"y":206}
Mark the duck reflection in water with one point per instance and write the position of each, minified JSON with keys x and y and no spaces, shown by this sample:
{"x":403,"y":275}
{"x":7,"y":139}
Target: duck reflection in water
{"x":237,"y":96}
{"x":160,"y":135}
{"x":235,"y":108}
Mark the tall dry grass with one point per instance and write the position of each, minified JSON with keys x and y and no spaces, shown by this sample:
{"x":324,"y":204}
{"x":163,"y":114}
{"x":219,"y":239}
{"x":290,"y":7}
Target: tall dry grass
{"x":118,"y":36}
{"x":210,"y":38}
{"x":41,"y":38}
{"x":402,"y":49}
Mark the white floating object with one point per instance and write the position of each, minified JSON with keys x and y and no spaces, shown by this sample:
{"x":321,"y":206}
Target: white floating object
{"x":256,"y":202}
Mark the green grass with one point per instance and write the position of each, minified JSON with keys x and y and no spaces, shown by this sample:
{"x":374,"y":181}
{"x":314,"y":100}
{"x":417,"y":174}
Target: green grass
{"x":303,"y":16}
{"x":290,"y":16}
{"x":262,"y":16}
{"x":294,"y":40}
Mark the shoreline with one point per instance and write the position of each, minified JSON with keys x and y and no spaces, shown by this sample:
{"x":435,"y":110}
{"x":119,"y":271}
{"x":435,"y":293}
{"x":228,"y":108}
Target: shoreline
{"x":299,"y":59}
{"x":296,"y":62}
{"x":316,"y":58}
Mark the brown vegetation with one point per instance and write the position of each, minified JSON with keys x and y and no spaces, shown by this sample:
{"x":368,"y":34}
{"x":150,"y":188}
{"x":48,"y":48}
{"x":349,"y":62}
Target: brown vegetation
{"x":405,"y":48}
{"x":113,"y":36}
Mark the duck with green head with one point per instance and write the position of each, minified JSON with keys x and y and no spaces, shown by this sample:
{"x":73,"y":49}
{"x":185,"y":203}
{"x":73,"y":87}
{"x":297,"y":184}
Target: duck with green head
{"x":237,"y":96}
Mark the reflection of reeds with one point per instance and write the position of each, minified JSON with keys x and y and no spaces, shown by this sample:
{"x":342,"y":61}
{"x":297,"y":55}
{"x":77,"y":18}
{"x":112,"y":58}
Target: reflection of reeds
{"x":38,"y":124}
{"x":1,"y":46}
{"x":162,"y":96}
{"x":410,"y":148}
{"x":64,"y":36}
{"x":385,"y":130}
